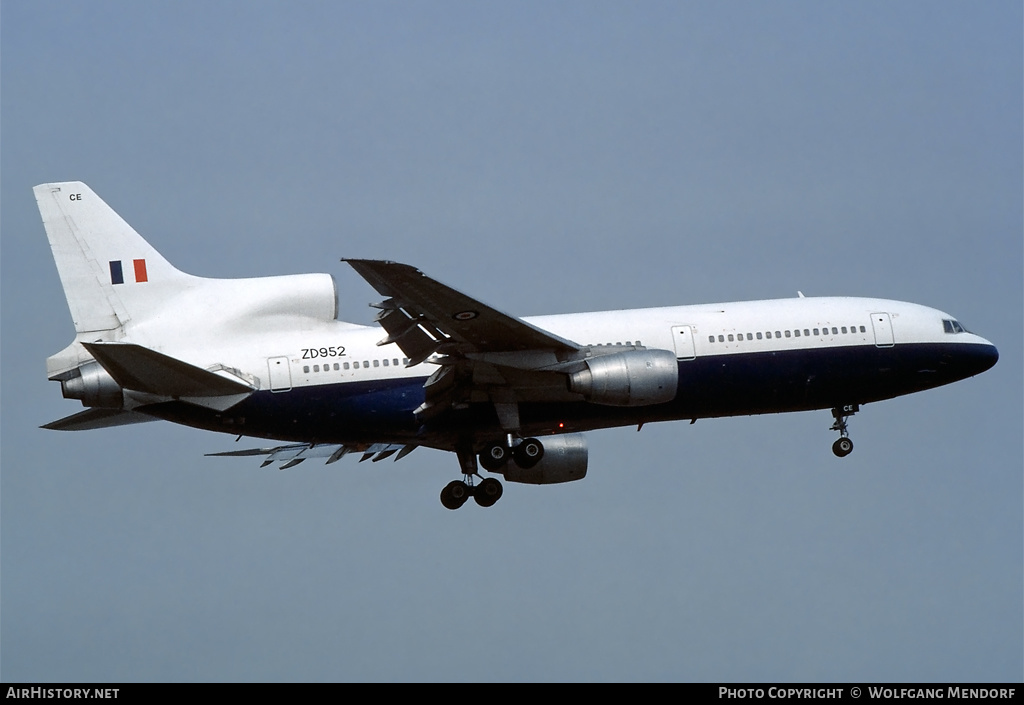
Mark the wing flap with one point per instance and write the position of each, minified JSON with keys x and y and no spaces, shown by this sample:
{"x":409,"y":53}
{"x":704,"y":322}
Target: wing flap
{"x":291,"y":455}
{"x":413,"y":334}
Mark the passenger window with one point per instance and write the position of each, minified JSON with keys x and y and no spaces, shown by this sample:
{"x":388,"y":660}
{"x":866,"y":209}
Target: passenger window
{"x":768,"y":334}
{"x":750,"y":336}
{"x":345,"y":365}
{"x":305,"y":368}
{"x":316,"y":368}
{"x":817,"y":332}
{"x":796,"y":333}
{"x":844,"y":330}
{"x":336,"y":367}
{"x":834,"y":331}
{"x":787,"y":334}
{"x":758,"y":336}
{"x":366,"y":364}
{"x":730,"y":338}
{"x":721,"y":339}
{"x":862,"y":329}
{"x":711,"y":338}
{"x":778,"y":334}
{"x":376,"y":363}
{"x":355,"y":365}
{"x":394,"y":361}
{"x":807,"y":333}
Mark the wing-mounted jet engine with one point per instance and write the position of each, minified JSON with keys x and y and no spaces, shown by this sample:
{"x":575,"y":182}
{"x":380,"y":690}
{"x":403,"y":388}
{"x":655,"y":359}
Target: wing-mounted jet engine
{"x":631,"y":378}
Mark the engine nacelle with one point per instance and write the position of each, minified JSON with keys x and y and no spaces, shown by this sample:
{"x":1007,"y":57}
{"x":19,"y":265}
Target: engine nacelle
{"x":631,"y":378}
{"x":565,"y":460}
{"x":94,"y":386}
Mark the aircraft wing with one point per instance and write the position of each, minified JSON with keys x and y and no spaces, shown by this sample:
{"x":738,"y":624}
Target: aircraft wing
{"x":424,"y":316}
{"x":291,"y":455}
{"x":484,"y":355}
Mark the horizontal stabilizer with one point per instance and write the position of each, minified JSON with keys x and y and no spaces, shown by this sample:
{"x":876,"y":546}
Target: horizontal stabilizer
{"x":135,"y":367}
{"x":92,"y":419}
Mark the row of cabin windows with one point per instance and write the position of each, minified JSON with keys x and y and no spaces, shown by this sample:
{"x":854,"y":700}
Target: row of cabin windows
{"x":807,"y":332}
{"x":393,"y":362}
{"x":628,"y":342}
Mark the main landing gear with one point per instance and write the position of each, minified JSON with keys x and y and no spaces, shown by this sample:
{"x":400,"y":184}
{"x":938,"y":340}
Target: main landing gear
{"x":526,"y":454}
{"x":495,"y":456}
{"x":456,"y":492}
{"x":844,"y":446}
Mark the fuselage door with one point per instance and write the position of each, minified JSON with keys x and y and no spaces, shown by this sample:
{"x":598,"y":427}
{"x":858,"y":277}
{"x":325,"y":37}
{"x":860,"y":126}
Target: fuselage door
{"x":280,"y":374}
{"x":882,"y":324}
{"x":682,"y":339}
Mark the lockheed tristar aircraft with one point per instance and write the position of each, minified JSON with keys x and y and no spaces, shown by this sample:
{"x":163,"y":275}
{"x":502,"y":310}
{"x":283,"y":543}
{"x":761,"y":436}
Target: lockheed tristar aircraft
{"x":267,"y":358}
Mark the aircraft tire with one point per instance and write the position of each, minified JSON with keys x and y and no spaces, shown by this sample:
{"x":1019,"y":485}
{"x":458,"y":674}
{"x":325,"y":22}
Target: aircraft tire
{"x":842,"y":447}
{"x":488,"y":492}
{"x":494,"y":457}
{"x":528,"y":453}
{"x":454,"y":494}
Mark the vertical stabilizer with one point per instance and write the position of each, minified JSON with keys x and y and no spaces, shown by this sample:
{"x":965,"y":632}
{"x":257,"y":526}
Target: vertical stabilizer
{"x":109,"y":273}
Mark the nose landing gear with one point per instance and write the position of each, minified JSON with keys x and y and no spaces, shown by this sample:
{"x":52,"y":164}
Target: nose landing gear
{"x":844,"y":446}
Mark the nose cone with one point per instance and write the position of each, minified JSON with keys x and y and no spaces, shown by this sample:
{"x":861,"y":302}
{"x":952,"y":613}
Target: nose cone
{"x":967,"y":360}
{"x":985,"y":357}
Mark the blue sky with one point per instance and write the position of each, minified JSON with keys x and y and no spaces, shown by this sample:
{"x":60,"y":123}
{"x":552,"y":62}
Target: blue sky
{"x":546,"y":158}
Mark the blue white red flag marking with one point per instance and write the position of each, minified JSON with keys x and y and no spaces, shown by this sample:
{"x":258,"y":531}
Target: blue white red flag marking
{"x":117,"y":271}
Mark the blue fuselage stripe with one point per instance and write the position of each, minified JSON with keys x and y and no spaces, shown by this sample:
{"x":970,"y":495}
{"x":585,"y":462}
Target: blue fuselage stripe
{"x":709,"y":386}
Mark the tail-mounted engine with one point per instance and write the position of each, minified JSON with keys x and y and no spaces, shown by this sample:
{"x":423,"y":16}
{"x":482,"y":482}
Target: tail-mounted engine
{"x":94,"y":386}
{"x":630,"y":378}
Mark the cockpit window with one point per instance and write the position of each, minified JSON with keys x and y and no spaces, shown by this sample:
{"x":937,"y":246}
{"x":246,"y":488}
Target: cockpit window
{"x":951,"y":326}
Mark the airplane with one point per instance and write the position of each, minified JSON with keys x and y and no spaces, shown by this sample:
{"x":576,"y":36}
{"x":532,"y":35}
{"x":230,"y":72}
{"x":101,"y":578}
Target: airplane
{"x":267,"y":358}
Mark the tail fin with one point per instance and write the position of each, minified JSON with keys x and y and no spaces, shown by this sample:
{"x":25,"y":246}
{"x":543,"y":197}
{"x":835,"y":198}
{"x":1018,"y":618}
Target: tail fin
{"x":109,"y":273}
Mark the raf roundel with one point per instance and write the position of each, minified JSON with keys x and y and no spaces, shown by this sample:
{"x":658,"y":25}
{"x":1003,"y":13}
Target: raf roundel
{"x":465,"y":315}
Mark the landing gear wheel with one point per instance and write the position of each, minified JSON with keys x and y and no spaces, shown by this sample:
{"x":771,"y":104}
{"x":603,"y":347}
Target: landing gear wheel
{"x":494,"y":457}
{"x":488,"y":492}
{"x":528,"y":453}
{"x":455,"y":494}
{"x":843,"y":447}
